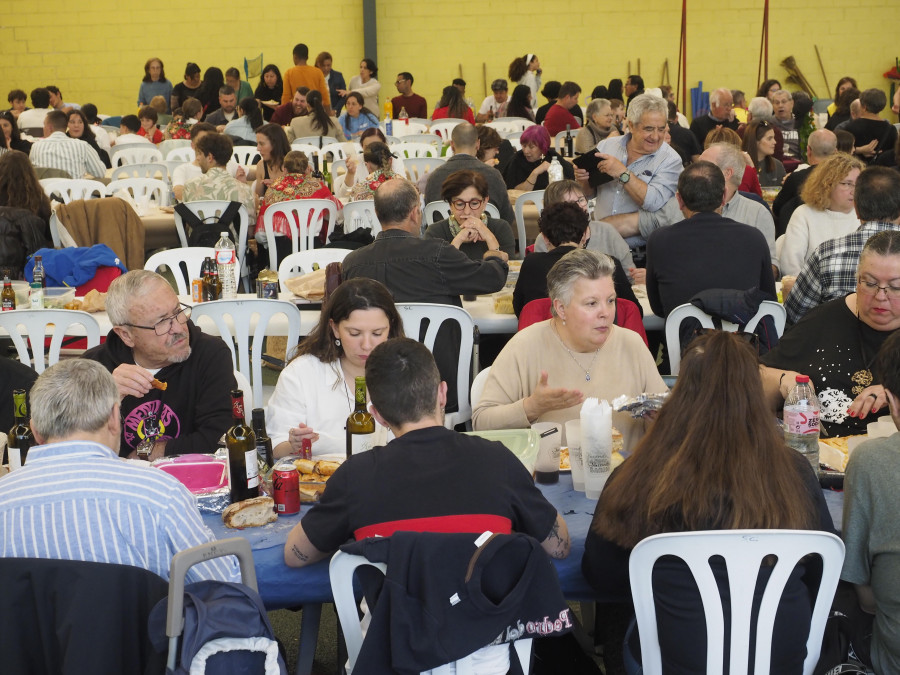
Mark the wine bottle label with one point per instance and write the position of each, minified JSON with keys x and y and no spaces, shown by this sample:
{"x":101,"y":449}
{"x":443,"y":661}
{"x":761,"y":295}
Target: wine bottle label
{"x":21,"y":409}
{"x":252,"y":468}
{"x":362,"y":442}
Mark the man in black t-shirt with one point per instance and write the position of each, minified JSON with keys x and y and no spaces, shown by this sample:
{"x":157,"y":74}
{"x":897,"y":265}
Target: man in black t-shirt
{"x":428,"y":479}
{"x":870,"y":128}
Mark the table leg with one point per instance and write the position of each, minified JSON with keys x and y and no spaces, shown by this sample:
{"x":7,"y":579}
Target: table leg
{"x":309,"y":637}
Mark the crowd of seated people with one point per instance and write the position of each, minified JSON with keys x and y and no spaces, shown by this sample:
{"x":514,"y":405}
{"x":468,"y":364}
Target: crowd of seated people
{"x":633,"y":215}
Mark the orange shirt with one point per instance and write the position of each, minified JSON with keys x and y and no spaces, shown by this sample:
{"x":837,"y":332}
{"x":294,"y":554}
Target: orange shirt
{"x":305,"y":76}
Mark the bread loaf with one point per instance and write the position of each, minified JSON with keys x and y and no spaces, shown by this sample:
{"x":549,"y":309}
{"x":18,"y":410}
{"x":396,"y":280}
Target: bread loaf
{"x":253,"y":512}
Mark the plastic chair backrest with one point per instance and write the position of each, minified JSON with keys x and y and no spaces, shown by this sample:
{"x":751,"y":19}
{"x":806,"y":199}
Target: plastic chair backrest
{"x":559,"y":140}
{"x":182,"y":154}
{"x":184,"y":263}
{"x":303,"y":219}
{"x":70,"y":189}
{"x":38,"y":323}
{"x":315,"y":140}
{"x":135,"y":153}
{"x":170,"y":144}
{"x":422,"y":137}
{"x":307,"y":149}
{"x":682,"y":312}
{"x":364,"y":210}
{"x":414,"y":314}
{"x":338,"y":168}
{"x":208,"y":208}
{"x":410,"y":150}
{"x":245,"y":155}
{"x":237,"y":320}
{"x":336,"y":150}
{"x":743,"y":552}
{"x":340,"y":572}
{"x":154,"y":170}
{"x":478,"y":386}
{"x":535,"y":197}
{"x":138,"y":187}
{"x":301,"y":262}
{"x":416,"y":167}
{"x":444,"y":127}
{"x":510,"y":124}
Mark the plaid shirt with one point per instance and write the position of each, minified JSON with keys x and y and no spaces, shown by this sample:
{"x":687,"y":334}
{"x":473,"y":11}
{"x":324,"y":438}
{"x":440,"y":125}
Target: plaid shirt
{"x":830,"y":272}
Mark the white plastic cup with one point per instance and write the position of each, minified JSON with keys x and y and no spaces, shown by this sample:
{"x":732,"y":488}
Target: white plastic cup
{"x":546,"y":466}
{"x":573,"y":440}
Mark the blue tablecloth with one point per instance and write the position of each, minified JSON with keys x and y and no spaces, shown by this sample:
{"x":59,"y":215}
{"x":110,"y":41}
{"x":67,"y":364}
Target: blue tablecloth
{"x":281,"y":586}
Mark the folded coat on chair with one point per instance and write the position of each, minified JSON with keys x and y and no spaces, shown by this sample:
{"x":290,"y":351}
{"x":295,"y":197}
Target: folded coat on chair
{"x":73,"y":266}
{"x":111,"y":221}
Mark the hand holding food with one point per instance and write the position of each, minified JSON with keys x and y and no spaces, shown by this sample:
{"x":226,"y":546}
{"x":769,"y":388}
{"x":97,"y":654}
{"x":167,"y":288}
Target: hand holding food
{"x":132,"y":380}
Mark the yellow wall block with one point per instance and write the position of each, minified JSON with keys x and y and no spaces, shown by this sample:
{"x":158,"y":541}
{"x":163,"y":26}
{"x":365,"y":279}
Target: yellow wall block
{"x":97,"y":54}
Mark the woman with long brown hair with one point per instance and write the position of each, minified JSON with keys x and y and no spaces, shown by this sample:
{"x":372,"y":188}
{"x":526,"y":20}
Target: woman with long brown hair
{"x":714,"y":459}
{"x":24,"y":227}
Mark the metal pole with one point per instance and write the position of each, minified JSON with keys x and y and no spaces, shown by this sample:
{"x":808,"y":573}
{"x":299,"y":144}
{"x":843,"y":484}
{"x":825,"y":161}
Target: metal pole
{"x":370,"y":30}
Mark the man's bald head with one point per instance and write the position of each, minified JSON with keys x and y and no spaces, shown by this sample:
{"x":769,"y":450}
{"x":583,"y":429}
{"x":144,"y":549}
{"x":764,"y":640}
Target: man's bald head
{"x":395,"y":201}
{"x":729,"y":159}
{"x":464,"y":139}
{"x":821,"y":144}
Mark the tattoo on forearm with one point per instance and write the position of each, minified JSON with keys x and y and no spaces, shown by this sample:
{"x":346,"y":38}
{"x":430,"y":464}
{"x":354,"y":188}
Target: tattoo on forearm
{"x":560,"y":546}
{"x":300,"y":554}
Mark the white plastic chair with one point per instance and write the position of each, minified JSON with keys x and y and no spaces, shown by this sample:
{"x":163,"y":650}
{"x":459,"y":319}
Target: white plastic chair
{"x":410,"y":150}
{"x":364,"y":211}
{"x":135,"y":153}
{"x":682,"y":312}
{"x":314,"y":140}
{"x":139,"y":187}
{"x":24,"y":325}
{"x":236,"y":320}
{"x":153,"y":170}
{"x":307,"y":149}
{"x":170,"y":144}
{"x":214,"y":208}
{"x":515,"y":140}
{"x":478,"y":386}
{"x":535,"y":197}
{"x":245,"y":155}
{"x":184,"y":263}
{"x":340,"y":571}
{"x":444,"y":127}
{"x":182,"y":154}
{"x":743,"y":551}
{"x":70,"y":189}
{"x":301,"y":262}
{"x":423,"y":137}
{"x":306,"y":212}
{"x":510,"y":124}
{"x":413,"y":315}
{"x":416,"y":167}
{"x":440,"y":210}
{"x":336,"y":150}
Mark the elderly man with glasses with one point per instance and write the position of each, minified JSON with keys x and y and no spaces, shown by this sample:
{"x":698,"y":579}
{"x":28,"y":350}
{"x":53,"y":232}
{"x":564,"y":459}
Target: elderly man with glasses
{"x":164,"y":364}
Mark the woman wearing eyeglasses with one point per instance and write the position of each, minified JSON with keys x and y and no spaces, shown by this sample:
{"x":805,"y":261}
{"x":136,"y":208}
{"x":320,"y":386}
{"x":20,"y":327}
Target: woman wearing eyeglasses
{"x":469,"y":228}
{"x":599,"y":125}
{"x":759,"y":143}
{"x":827,"y":212}
{"x":836,"y":343}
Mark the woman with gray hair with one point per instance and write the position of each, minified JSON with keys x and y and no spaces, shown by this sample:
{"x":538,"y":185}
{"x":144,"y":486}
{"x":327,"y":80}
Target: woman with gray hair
{"x":599,"y":125}
{"x":583,"y":349}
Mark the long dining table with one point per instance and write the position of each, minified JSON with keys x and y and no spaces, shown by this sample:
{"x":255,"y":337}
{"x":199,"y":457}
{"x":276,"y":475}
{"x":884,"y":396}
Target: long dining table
{"x":309,"y":587}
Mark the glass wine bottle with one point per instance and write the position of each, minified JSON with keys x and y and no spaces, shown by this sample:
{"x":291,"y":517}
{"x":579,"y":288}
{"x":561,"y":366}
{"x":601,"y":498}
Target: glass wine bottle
{"x":20,"y":436}
{"x":360,"y":423}
{"x":243,"y":471}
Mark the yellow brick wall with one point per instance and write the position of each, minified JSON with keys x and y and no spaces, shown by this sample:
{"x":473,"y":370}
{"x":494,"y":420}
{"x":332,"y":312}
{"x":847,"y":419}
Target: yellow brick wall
{"x":96,"y":53}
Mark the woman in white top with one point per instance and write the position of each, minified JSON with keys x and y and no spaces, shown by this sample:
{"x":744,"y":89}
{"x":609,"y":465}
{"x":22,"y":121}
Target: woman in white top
{"x":527,"y":70}
{"x":315,"y":392}
{"x":366,"y":84}
{"x":356,"y":168}
{"x":250,"y":119}
{"x":827,"y":212}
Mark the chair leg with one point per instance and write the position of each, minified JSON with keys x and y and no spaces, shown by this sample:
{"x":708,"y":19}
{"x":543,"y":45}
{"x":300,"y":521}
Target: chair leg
{"x":309,"y":637}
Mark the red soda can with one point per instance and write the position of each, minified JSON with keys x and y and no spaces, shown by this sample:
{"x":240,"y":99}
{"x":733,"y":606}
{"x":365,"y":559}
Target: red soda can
{"x":286,"y":488}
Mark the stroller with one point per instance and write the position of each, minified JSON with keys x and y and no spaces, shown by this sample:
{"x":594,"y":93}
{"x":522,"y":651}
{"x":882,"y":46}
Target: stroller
{"x":222,"y":627}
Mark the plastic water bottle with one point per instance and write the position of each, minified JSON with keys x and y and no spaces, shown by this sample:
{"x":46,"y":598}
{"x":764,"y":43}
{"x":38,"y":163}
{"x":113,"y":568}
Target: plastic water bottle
{"x":403,"y":116}
{"x":555,"y":170}
{"x":388,"y":125}
{"x":226,"y":259}
{"x":801,"y":421}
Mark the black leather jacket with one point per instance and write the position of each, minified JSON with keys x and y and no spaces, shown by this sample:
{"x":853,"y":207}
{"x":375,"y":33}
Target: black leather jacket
{"x":21,"y":234}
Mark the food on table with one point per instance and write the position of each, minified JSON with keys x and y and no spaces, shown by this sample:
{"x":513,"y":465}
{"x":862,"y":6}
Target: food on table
{"x":839,"y":443}
{"x":253,"y":512}
{"x":313,"y":476}
{"x":94,"y":301}
{"x":75,"y":304}
{"x":503,"y":303}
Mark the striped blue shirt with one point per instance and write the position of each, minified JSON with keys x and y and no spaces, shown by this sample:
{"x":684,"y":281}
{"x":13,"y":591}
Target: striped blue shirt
{"x":79,"y":501}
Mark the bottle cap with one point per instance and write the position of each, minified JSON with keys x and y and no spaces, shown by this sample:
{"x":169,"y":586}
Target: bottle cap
{"x":802,"y":379}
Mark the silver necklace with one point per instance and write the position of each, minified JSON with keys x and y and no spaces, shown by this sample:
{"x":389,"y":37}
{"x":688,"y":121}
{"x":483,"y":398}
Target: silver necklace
{"x":587,"y":373}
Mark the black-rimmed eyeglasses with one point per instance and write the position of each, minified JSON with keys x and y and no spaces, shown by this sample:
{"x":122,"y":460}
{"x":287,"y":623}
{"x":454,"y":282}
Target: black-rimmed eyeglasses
{"x":165,"y":324}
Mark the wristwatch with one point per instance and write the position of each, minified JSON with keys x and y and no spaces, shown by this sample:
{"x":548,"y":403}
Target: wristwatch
{"x":625,"y":177}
